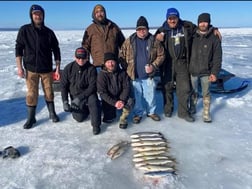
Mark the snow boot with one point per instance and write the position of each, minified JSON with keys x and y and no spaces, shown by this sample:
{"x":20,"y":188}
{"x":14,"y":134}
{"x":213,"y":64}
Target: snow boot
{"x":96,"y":130}
{"x":206,"y":109}
{"x":193,"y":103}
{"x":30,"y":117}
{"x":52,"y":115}
{"x":123,"y":119}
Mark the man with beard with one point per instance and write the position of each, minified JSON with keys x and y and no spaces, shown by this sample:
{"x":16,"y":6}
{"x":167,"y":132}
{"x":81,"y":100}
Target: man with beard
{"x":205,"y":63}
{"x":35,"y":44}
{"x":102,"y":36}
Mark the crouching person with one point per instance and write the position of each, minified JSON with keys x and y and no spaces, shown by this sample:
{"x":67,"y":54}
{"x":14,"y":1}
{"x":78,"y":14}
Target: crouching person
{"x":113,"y":86}
{"x":79,"y":81}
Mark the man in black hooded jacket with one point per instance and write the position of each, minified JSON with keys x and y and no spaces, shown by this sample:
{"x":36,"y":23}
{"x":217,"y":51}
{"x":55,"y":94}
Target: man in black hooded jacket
{"x":35,"y":44}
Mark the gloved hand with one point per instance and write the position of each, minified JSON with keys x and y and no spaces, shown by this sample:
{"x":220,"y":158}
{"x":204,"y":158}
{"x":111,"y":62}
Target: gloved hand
{"x":75,"y":105}
{"x":66,"y":106}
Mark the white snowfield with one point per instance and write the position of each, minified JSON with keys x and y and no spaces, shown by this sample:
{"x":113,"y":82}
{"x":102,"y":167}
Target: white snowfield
{"x":66,"y":155}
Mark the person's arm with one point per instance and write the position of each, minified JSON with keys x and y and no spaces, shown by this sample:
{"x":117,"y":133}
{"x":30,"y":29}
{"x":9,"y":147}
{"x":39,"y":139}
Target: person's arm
{"x":20,"y":70}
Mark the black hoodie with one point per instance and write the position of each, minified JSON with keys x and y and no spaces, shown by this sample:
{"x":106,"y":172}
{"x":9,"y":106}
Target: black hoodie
{"x":36,"y":46}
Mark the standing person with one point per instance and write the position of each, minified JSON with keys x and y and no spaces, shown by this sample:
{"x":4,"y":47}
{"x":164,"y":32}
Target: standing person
{"x":176,"y":36}
{"x":79,"y":81}
{"x":34,"y":46}
{"x":141,"y":55}
{"x":102,"y":36}
{"x":205,"y":63}
{"x":113,"y":85}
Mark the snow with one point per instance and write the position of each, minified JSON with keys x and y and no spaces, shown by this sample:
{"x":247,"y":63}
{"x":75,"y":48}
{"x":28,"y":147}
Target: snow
{"x":67,"y":155}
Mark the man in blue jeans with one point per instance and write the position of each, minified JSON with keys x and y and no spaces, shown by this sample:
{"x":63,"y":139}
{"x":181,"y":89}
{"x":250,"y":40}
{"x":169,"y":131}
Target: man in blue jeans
{"x":141,"y":54}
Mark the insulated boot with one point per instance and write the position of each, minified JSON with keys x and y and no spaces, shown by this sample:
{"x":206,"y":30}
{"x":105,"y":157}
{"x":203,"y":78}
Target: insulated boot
{"x":206,"y":109}
{"x":193,"y":103}
{"x":30,"y":117}
{"x":52,"y":115}
{"x":96,"y":130}
{"x":123,"y":119}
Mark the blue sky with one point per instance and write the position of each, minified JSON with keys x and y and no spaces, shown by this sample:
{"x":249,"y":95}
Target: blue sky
{"x":77,"y":14}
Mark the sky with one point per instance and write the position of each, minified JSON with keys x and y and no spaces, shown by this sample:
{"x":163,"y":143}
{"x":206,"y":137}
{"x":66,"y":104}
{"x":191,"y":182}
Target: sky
{"x":77,"y":14}
{"x":66,"y":155}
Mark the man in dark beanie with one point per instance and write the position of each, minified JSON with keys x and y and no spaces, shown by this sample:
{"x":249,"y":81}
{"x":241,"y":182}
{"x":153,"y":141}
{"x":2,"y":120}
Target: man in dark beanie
{"x":141,"y":55}
{"x":35,"y":45}
{"x":79,"y":82}
{"x":205,"y":63}
{"x":113,"y":86}
{"x":204,"y":17}
{"x":102,"y":36}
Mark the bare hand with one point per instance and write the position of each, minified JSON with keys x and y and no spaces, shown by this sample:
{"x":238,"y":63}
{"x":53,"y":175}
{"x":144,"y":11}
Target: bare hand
{"x":212,"y":78}
{"x":119,"y":104}
{"x":160,"y":36}
{"x":148,"y":68}
{"x":21,"y":73}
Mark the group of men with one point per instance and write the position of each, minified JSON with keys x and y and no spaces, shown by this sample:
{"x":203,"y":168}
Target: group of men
{"x":122,"y":70}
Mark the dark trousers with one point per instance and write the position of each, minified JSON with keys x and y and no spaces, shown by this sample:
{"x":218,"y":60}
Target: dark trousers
{"x":92,"y":107}
{"x":181,"y":76}
{"x":109,"y":112}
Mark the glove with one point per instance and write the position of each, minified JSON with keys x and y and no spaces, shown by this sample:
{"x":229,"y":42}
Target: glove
{"x":75,"y":105}
{"x":66,"y":106}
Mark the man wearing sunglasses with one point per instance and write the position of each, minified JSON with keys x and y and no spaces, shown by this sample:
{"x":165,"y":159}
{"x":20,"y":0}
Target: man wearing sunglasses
{"x":79,"y":82}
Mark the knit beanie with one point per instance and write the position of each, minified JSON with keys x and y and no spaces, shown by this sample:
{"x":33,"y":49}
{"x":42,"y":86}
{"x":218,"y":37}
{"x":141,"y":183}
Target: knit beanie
{"x":142,"y":23}
{"x":172,"y":12}
{"x":109,"y":56}
{"x":81,"y":53}
{"x":204,"y":17}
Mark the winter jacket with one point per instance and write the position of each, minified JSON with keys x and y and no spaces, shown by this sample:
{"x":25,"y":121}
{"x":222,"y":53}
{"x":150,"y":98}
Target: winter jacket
{"x":113,"y":86}
{"x":188,"y":29}
{"x":101,"y":38}
{"x":128,"y":54}
{"x":36,"y":47}
{"x":206,"y":55}
{"x":78,"y":81}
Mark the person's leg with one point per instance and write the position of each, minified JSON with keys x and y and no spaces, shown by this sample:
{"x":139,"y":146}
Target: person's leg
{"x":95,"y":113}
{"x":32,"y":83}
{"x":206,"y":99}
{"x":47,"y":80}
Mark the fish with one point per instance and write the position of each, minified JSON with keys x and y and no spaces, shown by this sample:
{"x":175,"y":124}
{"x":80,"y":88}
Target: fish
{"x":152,"y":168}
{"x":150,"y":157}
{"x":111,"y":152}
{"x":149,"y":143}
{"x":157,"y":174}
{"x":119,"y":152}
{"x":149,"y":148}
{"x":146,"y":138}
{"x":146,"y":134}
{"x":150,"y":153}
{"x":165,"y":162}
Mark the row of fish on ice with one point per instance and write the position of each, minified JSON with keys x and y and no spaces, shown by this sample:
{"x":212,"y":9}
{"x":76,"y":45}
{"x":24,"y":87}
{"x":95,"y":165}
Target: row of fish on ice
{"x":150,"y":153}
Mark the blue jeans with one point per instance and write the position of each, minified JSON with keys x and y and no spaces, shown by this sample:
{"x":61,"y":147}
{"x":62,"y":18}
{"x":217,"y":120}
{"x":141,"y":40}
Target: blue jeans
{"x":204,"y":82}
{"x":144,"y":92}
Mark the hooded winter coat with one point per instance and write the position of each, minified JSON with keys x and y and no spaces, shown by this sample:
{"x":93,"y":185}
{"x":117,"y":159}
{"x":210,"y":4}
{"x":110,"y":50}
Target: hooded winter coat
{"x":206,"y":54}
{"x":102,"y":37}
{"x":36,"y":47}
